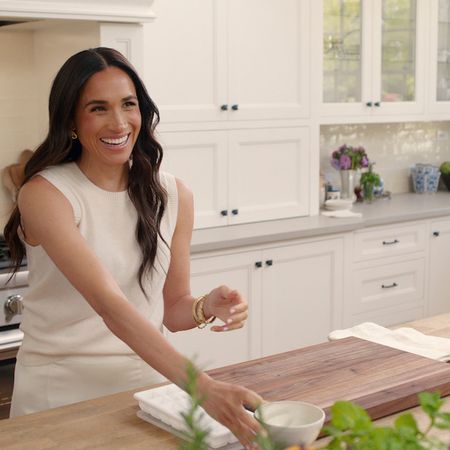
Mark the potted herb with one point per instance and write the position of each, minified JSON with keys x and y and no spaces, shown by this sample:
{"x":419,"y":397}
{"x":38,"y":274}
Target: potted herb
{"x":445,"y":173}
{"x":368,"y":181}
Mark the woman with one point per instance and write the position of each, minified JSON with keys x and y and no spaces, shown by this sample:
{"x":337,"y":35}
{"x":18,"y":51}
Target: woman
{"x":107,"y":238}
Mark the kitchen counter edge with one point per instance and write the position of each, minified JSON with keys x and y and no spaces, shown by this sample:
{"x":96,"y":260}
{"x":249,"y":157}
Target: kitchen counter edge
{"x":399,"y":208}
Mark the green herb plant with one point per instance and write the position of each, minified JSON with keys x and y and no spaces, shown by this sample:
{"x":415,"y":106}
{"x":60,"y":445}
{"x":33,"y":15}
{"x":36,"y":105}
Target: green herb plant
{"x":195,"y":438}
{"x":370,"y":177}
{"x":352,"y":429}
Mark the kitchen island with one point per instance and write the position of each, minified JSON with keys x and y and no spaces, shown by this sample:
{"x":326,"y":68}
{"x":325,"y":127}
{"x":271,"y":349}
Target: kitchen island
{"x":111,"y":423}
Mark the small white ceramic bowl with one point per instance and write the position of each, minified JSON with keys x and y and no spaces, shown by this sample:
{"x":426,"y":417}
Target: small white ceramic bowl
{"x":291,"y":422}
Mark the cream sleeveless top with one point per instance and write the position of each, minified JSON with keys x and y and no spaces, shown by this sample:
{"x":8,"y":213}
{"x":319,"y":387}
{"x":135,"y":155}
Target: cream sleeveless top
{"x":57,"y":321}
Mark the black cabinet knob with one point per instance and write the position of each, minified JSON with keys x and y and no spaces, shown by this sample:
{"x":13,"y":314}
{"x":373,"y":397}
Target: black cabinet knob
{"x":377,"y":104}
{"x":436,"y":233}
{"x":369,"y":104}
{"x":224,"y":107}
{"x":224,"y":212}
{"x":235,"y":107}
{"x":269,"y":262}
{"x":235,"y":212}
{"x":258,"y":264}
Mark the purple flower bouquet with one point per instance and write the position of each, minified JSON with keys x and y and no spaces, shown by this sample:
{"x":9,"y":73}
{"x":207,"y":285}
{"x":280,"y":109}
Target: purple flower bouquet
{"x":347,"y":157}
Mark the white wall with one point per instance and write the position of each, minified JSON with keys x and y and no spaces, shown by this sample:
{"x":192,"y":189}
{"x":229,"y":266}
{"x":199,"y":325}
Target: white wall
{"x":394,"y":147}
{"x":18,"y":128}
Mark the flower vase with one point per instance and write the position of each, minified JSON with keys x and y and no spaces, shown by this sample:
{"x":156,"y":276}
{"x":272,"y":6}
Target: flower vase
{"x":348,"y":182}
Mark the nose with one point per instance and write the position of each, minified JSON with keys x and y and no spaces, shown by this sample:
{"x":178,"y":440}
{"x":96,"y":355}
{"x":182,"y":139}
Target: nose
{"x":118,"y":121}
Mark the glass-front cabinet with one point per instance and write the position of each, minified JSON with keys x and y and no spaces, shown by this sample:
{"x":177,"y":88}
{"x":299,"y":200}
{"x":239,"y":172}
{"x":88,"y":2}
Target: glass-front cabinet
{"x":372,"y":57}
{"x":440,"y":57}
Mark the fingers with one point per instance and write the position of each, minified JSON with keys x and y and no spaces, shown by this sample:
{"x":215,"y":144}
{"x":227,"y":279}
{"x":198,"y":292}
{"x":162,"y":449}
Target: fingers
{"x":222,"y":328}
{"x":233,"y":323}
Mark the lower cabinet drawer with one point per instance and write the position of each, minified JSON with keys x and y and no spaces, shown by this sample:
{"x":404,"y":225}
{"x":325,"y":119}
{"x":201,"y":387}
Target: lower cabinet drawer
{"x":389,"y":241}
{"x":392,"y":286}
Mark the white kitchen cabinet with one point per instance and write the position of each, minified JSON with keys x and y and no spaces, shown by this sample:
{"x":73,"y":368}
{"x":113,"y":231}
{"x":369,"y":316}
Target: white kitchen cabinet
{"x":219,"y":60}
{"x":439,"y":292}
{"x":240,"y":176}
{"x":294,"y":293}
{"x":302,"y":288}
{"x":439,"y":58}
{"x":386,"y":274}
{"x":371,"y":56}
{"x":388,"y":241}
{"x":210,"y":349}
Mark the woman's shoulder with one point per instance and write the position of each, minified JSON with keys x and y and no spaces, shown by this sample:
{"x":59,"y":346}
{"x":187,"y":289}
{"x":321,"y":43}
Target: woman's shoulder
{"x":59,"y":170}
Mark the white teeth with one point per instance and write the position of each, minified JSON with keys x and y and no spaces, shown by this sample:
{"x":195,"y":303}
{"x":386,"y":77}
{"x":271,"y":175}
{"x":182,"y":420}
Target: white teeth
{"x":115,"y":141}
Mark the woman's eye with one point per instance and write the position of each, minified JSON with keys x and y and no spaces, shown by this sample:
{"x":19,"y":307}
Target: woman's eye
{"x":129,"y":104}
{"x":98,"y":109}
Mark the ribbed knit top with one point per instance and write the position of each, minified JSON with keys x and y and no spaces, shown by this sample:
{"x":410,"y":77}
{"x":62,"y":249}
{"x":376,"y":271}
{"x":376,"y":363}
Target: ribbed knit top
{"x":57,"y":320}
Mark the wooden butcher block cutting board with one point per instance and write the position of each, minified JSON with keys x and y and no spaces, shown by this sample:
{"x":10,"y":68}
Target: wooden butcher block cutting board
{"x":381,"y":379}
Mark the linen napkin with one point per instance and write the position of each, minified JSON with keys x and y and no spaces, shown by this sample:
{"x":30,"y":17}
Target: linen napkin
{"x":406,"y":339}
{"x":341,"y":213}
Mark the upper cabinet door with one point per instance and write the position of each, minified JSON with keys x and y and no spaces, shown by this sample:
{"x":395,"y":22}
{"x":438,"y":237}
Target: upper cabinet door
{"x":439,"y":55}
{"x":267,"y":59}
{"x":268,"y":174}
{"x":217,"y":60}
{"x":185,"y":62}
{"x":372,"y":57}
{"x":400,"y":88}
{"x":346,"y":76}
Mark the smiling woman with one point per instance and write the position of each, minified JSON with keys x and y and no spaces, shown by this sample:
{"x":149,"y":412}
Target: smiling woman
{"x":107,"y":122}
{"x":98,"y":298}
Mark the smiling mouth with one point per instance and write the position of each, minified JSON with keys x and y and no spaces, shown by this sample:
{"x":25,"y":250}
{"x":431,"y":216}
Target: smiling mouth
{"x":119,"y":141}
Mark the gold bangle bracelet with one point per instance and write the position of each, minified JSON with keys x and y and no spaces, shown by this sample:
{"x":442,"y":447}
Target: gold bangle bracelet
{"x":199,"y":314}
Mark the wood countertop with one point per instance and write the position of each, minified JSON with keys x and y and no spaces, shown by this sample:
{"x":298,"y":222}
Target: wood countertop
{"x":111,"y":423}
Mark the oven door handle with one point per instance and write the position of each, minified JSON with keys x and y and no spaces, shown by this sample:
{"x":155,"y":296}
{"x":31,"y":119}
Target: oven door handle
{"x":13,"y":306}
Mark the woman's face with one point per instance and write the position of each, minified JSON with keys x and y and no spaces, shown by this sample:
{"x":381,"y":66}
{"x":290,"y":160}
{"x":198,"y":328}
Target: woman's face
{"x":107,"y":117}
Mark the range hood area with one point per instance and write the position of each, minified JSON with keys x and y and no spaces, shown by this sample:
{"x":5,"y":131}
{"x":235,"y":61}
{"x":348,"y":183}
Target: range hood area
{"x":133,"y":11}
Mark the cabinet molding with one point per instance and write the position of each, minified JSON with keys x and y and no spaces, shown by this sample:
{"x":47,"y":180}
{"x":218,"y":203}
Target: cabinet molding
{"x":112,"y":10}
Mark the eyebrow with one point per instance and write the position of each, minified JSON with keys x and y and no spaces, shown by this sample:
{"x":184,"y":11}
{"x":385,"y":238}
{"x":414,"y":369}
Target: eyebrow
{"x":104,"y":102}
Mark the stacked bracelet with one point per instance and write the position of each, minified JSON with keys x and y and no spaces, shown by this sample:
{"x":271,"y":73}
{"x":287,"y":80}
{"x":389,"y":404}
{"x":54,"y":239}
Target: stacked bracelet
{"x":198,"y":313}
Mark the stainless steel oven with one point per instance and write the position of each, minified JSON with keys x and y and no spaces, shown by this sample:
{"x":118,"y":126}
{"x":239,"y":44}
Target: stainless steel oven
{"x":12,"y":292}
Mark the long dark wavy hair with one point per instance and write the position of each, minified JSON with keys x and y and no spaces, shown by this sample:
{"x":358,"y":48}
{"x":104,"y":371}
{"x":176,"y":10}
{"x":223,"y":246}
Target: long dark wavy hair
{"x":144,"y":188}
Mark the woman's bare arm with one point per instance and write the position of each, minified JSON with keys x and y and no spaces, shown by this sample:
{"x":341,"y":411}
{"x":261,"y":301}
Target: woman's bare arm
{"x":48,"y":220}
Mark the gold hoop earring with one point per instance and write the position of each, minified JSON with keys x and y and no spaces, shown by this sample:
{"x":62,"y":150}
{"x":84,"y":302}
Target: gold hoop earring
{"x":74,"y":135}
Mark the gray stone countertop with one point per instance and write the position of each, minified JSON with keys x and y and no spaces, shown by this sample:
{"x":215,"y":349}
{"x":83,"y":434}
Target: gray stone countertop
{"x":400,"y":208}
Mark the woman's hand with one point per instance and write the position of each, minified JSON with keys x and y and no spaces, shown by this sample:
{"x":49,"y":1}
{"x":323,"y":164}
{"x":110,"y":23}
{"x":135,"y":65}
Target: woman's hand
{"x":229,"y":306}
{"x":225,"y":402}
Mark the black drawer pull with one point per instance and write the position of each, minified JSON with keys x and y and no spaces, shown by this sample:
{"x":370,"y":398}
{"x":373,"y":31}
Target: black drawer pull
{"x":235,"y":212}
{"x":224,"y":212}
{"x":234,"y":107}
{"x":388,"y":286}
{"x":269,"y":262}
{"x":258,"y":264}
{"x":395,"y":241}
{"x":224,"y":107}
{"x":436,"y":233}
{"x":377,"y":104}
{"x":369,"y":104}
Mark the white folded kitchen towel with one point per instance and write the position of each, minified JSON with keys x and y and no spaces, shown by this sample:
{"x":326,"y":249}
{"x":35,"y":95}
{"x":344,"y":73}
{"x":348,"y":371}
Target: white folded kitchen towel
{"x":341,"y":214}
{"x":406,"y":339}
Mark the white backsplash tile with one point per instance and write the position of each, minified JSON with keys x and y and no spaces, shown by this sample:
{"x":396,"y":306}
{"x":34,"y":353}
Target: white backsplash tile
{"x":394,"y":147}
